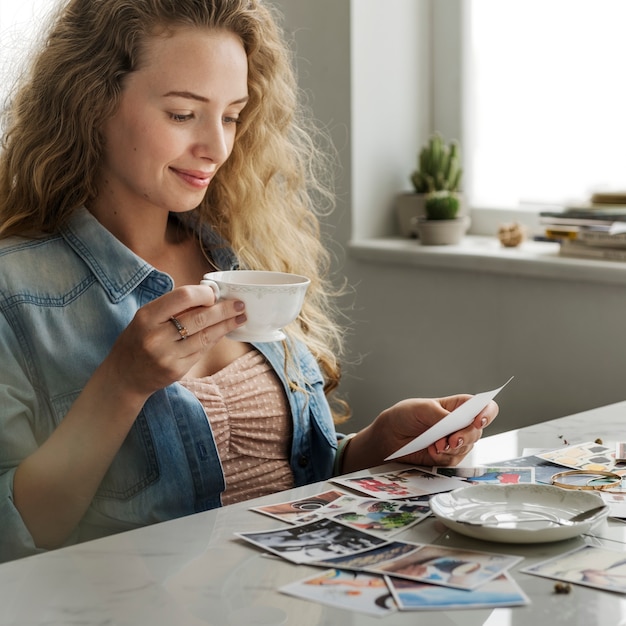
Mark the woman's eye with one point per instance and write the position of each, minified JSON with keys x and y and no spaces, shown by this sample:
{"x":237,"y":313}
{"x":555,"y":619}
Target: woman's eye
{"x":231,"y":120}
{"x":180,"y":117}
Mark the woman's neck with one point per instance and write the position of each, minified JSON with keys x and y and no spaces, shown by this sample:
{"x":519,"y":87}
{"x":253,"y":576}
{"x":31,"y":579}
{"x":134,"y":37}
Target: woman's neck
{"x":159,"y":239}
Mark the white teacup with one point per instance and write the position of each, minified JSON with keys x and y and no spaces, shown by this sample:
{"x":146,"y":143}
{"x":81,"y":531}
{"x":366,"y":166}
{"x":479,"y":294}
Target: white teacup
{"x":272,"y":299}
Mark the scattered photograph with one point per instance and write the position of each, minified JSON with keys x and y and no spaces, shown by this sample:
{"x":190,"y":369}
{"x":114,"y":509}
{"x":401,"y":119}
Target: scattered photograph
{"x":313,"y":541}
{"x":353,"y":591}
{"x":450,"y":567}
{"x":424,"y":498}
{"x":405,"y":483}
{"x":379,"y":517}
{"x":589,"y":566}
{"x":302,"y":510}
{"x":543,"y":469}
{"x":370,"y":558}
{"x":499,"y":475}
{"x":588,"y":456}
{"x":502,"y":591}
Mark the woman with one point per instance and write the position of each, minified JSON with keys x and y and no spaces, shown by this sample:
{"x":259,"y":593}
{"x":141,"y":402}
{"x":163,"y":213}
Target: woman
{"x":154,"y":141}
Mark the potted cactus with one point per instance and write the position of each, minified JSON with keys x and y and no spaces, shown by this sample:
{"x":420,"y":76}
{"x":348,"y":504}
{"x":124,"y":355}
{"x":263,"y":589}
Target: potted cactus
{"x":441,"y":224}
{"x":438,"y":170}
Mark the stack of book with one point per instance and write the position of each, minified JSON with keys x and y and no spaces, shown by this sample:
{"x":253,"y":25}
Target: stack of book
{"x":596,"y":230}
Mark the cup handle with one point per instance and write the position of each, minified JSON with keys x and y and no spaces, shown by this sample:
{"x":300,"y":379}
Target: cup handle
{"x":213,"y":285}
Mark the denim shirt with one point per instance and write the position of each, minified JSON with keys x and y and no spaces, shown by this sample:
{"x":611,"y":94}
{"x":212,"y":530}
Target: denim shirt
{"x":64,"y":299}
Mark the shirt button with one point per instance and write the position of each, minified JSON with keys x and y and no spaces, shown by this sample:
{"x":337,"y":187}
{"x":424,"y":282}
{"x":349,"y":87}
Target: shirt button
{"x":303,"y":461}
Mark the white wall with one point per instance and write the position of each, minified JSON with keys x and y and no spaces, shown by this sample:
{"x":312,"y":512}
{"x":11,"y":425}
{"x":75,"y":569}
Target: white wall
{"x":421,"y":332}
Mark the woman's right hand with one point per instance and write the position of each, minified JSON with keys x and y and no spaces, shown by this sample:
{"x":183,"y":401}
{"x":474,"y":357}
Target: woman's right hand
{"x":151,"y":353}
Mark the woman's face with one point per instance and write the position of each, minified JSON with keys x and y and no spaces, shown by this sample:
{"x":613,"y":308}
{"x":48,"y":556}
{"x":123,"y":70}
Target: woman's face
{"x":176,"y":123}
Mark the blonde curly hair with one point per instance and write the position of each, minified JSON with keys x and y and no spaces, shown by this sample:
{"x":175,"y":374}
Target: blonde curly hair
{"x":265,"y":200}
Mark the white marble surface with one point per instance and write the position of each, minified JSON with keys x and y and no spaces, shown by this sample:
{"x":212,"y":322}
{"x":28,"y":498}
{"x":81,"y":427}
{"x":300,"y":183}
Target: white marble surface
{"x":193,"y":572}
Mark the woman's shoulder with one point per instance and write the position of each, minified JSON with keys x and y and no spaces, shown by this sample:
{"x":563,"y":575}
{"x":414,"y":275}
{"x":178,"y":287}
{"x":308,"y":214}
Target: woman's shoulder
{"x":17,"y":243}
{"x":22,"y":253}
{"x":32,"y":265}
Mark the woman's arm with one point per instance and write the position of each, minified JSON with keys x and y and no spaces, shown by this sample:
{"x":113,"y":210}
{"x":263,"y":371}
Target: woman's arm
{"x":54,"y":486}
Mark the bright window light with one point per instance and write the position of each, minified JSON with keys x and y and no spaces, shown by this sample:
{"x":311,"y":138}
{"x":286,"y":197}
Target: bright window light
{"x":20,"y":24}
{"x":545,"y":100}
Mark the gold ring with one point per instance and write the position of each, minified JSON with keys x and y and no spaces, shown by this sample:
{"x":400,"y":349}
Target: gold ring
{"x":615,"y":479}
{"x":182,"y":331}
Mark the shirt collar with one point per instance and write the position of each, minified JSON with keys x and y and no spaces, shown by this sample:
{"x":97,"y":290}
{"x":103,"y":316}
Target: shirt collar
{"x":118,"y":269}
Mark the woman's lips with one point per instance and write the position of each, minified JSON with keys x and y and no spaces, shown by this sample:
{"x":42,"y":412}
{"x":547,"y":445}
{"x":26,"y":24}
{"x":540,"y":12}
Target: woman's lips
{"x":195,"y":178}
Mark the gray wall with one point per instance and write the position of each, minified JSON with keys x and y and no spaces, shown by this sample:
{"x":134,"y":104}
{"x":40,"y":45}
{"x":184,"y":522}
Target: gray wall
{"x":428,"y":332}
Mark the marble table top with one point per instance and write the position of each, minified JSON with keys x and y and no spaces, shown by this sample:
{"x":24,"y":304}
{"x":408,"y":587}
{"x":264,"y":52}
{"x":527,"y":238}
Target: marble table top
{"x":192,"y":571}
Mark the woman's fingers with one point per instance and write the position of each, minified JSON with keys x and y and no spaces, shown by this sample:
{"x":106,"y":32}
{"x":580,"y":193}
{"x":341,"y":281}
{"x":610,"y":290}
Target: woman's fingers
{"x":168,"y":335}
{"x":458,"y":444}
{"x":223,"y":316}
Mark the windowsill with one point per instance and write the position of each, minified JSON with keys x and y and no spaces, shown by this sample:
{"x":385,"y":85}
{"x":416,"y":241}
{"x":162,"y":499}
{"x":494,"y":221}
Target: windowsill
{"x":486,"y":254}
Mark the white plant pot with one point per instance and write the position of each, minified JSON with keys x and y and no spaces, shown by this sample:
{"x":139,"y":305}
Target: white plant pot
{"x":442,"y":232}
{"x":410,"y":207}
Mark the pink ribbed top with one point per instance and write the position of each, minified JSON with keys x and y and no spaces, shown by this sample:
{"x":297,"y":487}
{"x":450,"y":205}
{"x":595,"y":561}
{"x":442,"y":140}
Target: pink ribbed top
{"x":249,"y":415}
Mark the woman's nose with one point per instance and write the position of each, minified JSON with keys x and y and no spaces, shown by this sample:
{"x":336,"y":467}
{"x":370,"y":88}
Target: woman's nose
{"x":214,"y":143}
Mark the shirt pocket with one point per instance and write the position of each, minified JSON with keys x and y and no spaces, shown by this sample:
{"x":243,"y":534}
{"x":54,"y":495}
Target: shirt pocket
{"x":135,"y":465}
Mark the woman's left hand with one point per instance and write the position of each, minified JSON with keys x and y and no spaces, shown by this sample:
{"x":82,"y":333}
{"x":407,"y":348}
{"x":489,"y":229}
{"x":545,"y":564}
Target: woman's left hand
{"x":406,"y":420}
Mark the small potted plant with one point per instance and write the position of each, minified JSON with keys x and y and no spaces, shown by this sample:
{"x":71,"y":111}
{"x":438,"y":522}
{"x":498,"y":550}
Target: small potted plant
{"x":438,"y":169}
{"x":441,"y":225}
